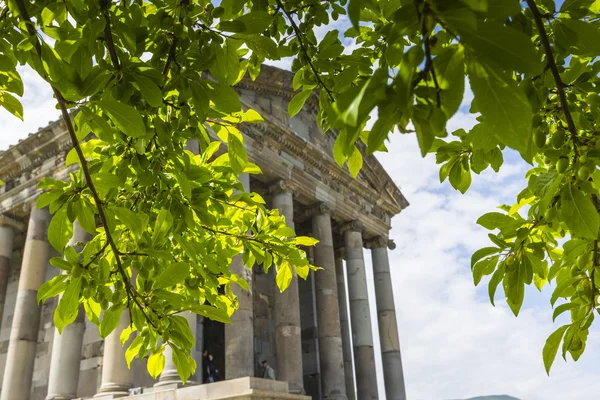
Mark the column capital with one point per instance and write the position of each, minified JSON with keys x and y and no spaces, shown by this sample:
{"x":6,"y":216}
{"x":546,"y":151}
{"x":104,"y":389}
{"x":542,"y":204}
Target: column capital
{"x":379,"y":242}
{"x":319,"y":209}
{"x":281,"y":185}
{"x":352,"y":226}
{"x":7,"y":221}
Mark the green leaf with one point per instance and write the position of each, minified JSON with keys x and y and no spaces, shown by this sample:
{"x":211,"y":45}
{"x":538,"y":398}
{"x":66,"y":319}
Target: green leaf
{"x":483,"y":268}
{"x":350,"y":115}
{"x":68,"y":305}
{"x":494,"y":282}
{"x":133,"y":349}
{"x":571,"y":5}
{"x":237,"y":152}
{"x":256,"y":22}
{"x":225,"y":98}
{"x":481,"y":253}
{"x":126,"y":118}
{"x":173,"y":274}
{"x":60,"y":230}
{"x":551,"y":347}
{"x":11,"y":104}
{"x":210,"y":312}
{"x":126,"y":334}
{"x":61,"y":263}
{"x":131,"y":220}
{"x":184,"y":364}
{"x":305,"y":241}
{"x":86,"y":216}
{"x":51,"y":288}
{"x":562,"y":308}
{"x":579,"y":213}
{"x":48,"y":197}
{"x":587,"y":42}
{"x":298,"y":101}
{"x":504,"y":106}
{"x":507,"y":47}
{"x":232,"y":26}
{"x":355,"y":162}
{"x":110,"y":320}
{"x":104,"y":181}
{"x":156,"y":364}
{"x":354,"y":7}
{"x":449,"y":65}
{"x":514,"y":288}
{"x":284,"y":275}
{"x":150,"y":91}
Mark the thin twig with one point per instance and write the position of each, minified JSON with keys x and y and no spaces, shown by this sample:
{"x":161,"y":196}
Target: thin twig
{"x":560,"y":86}
{"x":303,"y":48}
{"x":110,"y":44}
{"x":429,"y":68}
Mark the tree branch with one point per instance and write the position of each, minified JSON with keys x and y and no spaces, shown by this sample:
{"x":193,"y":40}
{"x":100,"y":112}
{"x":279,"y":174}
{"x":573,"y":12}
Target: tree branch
{"x":84,"y":166}
{"x":428,"y":59}
{"x":110,"y":44}
{"x":560,"y":86}
{"x":303,"y":48}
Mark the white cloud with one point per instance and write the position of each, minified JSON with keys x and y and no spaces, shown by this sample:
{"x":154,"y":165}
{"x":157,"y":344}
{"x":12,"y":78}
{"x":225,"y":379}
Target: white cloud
{"x":38,"y":110}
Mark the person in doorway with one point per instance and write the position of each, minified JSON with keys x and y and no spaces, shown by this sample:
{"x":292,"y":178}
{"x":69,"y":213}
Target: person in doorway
{"x":268,"y":371}
{"x":211,"y":369}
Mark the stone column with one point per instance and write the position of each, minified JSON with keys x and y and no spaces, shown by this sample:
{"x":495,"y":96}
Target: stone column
{"x":169,"y":374}
{"x":288,"y":342}
{"x":328,"y":315}
{"x":239,"y":335}
{"x":386,"y":316}
{"x":7,"y":228}
{"x":360,"y":315}
{"x":65,"y":361}
{"x":345,"y":326}
{"x":117,"y":379}
{"x":20,"y":359}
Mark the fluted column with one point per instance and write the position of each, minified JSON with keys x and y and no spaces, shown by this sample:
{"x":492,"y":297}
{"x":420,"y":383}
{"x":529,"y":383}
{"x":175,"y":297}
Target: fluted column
{"x":345,"y":326}
{"x":117,"y":379}
{"x":20,"y":359}
{"x":239,"y":335}
{"x":328,"y":315}
{"x":169,"y":374}
{"x":386,"y":316}
{"x":360,"y":315}
{"x":7,"y":229}
{"x":65,"y":361}
{"x":288,"y":342}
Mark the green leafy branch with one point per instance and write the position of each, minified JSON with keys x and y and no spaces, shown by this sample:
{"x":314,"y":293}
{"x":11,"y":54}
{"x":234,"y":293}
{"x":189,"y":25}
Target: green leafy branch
{"x":551,"y":63}
{"x":303,"y":48}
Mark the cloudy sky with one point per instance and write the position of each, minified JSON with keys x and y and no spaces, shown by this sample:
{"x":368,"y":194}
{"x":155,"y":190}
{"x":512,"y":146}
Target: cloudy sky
{"x":454,"y":343}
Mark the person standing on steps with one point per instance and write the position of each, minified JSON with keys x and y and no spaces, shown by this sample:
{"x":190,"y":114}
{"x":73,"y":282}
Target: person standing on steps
{"x":268,"y":371}
{"x":211,"y":369}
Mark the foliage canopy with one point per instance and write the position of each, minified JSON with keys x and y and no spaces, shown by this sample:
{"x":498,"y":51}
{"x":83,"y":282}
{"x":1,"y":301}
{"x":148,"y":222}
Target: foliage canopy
{"x":146,"y":76}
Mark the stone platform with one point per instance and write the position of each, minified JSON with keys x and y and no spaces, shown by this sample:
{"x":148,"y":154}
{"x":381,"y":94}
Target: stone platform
{"x":239,"y":389}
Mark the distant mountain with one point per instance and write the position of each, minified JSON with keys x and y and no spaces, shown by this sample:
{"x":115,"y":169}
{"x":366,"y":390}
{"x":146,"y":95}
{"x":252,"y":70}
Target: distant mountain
{"x":493,"y":397}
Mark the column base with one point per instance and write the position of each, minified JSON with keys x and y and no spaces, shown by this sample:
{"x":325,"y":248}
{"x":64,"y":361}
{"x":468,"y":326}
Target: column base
{"x":112,"y":391}
{"x":61,"y":396}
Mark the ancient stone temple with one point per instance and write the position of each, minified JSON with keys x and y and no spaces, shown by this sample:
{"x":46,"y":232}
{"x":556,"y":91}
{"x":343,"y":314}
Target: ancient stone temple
{"x":317,"y":335}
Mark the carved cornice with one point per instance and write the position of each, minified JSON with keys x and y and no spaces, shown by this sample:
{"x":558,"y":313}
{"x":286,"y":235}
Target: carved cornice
{"x":319,"y":209}
{"x":281,"y":186}
{"x":379,"y":242}
{"x":352,"y":226}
